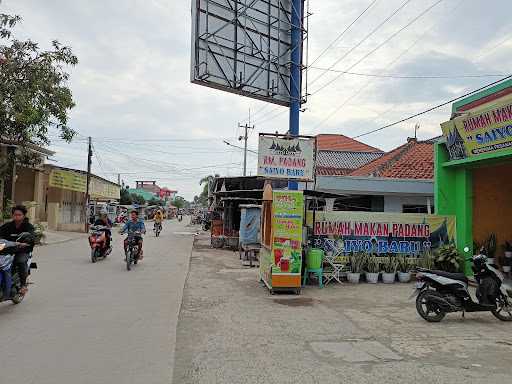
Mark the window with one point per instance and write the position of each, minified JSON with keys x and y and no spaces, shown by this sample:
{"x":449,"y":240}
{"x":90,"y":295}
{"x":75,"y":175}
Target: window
{"x":416,"y":209}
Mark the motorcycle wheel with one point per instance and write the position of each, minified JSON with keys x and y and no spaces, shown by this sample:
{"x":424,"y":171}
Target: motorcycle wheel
{"x":129,"y":260}
{"x":426,"y":309}
{"x":17,"y":298}
{"x":503,"y":310}
{"x":94,"y":254}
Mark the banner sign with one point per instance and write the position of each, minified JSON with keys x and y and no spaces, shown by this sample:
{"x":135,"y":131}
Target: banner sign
{"x":286,"y":158}
{"x":69,"y":180}
{"x":380,"y":232}
{"x":483,"y":132}
{"x":287,"y":231}
{"x":75,"y":181}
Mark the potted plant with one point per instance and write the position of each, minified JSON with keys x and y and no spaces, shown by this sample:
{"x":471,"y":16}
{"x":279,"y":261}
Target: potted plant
{"x":372,"y":269}
{"x":390,"y":266}
{"x":447,"y":258}
{"x":357,"y":262}
{"x":404,"y":269}
{"x":427,"y":260}
{"x":490,"y":248}
{"x":507,"y":263}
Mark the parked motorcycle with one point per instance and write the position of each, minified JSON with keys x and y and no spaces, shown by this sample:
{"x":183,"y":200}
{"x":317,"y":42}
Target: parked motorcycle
{"x":98,"y":243}
{"x":132,"y":251}
{"x":157,"y":228}
{"x":10,"y":283}
{"x":439,"y":292}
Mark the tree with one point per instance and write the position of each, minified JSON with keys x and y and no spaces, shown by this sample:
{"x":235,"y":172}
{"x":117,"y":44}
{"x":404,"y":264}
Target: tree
{"x":125,"y":199}
{"x":34,"y":95}
{"x":203,"y":197}
{"x":156,"y":201}
{"x":180,"y":202}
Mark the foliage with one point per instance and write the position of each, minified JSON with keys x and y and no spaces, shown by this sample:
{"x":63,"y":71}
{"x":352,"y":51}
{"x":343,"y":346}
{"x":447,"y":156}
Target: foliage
{"x":137,"y":199}
{"x":202,"y":199}
{"x":507,"y":247}
{"x":372,"y":264}
{"x":39,"y":233}
{"x":448,"y":258}
{"x":126,"y":198}
{"x":490,"y":245}
{"x":180,"y":202}
{"x":156,"y":201}
{"x":427,"y":260}
{"x":357,"y":262}
{"x":405,"y":264}
{"x":34,"y":95}
{"x":390,"y":264}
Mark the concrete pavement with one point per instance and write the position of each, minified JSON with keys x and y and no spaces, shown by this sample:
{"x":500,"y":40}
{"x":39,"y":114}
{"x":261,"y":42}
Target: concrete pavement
{"x":97,"y":323}
{"x":232,"y":331}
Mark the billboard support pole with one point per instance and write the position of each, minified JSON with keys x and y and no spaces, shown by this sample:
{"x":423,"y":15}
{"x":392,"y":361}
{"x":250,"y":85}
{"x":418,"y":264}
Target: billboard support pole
{"x":295,"y":73}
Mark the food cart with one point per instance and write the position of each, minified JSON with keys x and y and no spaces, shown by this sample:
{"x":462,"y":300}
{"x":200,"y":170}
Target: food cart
{"x":281,"y":245}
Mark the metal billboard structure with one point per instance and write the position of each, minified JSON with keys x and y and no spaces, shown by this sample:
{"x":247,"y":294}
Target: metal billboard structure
{"x":245,"y":47}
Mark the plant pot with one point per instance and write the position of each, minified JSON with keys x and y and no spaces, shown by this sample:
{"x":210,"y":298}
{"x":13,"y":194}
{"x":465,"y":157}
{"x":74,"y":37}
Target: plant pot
{"x":372,"y":277}
{"x":388,"y":278}
{"x":508,"y":254}
{"x":506,"y":268}
{"x":353,"y":277}
{"x":490,"y":260}
{"x":404,"y":277}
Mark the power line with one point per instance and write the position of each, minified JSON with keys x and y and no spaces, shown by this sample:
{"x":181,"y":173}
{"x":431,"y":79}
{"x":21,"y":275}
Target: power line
{"x":373,"y":31}
{"x":424,"y":12}
{"x":395,"y":76}
{"x":432,"y":108}
{"x":342,"y":33}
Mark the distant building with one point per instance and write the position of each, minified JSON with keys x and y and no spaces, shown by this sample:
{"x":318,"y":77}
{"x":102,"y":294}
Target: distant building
{"x":149,"y":190}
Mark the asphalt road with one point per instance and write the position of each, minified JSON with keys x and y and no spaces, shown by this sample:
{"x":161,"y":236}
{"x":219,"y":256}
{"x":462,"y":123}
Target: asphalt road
{"x":98,"y":323}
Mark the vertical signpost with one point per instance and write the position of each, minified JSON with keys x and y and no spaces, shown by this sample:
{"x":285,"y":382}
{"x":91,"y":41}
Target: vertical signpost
{"x":295,"y":73}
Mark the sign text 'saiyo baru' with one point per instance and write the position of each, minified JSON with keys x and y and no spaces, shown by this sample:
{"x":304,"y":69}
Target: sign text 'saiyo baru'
{"x":281,"y":157}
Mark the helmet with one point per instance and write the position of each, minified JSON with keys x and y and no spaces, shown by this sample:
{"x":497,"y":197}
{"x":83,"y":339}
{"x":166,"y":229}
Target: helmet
{"x":479,"y":262}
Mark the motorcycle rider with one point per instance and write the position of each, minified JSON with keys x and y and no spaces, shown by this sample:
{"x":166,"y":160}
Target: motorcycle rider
{"x":158,"y":217}
{"x":104,"y":221}
{"x":11,"y":231}
{"x":134,"y":225}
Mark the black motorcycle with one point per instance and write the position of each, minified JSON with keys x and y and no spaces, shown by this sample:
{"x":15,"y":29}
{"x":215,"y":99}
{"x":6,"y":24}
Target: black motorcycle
{"x":132,"y":252}
{"x":439,"y":292}
{"x":10,"y":283}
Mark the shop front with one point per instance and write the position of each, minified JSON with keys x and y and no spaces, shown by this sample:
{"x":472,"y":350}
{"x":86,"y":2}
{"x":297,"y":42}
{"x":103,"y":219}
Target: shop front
{"x":473,"y":173}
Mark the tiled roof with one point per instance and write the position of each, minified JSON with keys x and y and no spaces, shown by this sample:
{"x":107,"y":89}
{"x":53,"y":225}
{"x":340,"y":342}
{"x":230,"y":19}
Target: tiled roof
{"x":413,"y":160}
{"x":342,"y":143}
{"x":344,"y":160}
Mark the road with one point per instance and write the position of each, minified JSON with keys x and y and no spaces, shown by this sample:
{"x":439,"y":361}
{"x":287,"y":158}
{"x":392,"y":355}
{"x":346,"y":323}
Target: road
{"x":98,"y":323}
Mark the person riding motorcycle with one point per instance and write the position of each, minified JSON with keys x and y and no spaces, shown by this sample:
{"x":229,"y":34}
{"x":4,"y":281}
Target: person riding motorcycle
{"x":11,"y":231}
{"x":104,"y":221}
{"x":134,"y":225}
{"x":158,"y":218}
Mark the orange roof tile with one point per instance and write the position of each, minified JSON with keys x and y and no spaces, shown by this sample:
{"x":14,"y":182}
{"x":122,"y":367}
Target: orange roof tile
{"x":342,"y":143}
{"x":413,"y":160}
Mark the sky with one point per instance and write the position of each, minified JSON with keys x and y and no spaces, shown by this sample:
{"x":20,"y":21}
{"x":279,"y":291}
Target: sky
{"x":147,"y":121}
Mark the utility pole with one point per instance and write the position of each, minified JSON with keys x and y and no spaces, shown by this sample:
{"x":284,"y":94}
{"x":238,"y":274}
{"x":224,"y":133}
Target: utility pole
{"x":87,"y":182}
{"x":246,"y":128}
{"x":119,"y":178}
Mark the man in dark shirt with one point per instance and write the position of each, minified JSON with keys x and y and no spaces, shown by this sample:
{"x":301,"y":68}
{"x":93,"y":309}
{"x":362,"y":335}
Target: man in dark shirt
{"x":11,"y":231}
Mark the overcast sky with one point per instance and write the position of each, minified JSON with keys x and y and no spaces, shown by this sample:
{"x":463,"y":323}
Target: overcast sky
{"x":132,"y":81}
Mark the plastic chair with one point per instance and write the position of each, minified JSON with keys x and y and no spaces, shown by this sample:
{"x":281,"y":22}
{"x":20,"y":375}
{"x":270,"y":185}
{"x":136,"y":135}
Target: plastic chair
{"x":319,"y":273}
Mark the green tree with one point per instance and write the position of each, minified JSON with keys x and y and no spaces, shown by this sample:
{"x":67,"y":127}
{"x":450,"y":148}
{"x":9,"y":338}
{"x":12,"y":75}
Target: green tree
{"x":205,"y":182}
{"x":34,"y":92}
{"x":156,"y":201}
{"x":180,"y":202}
{"x":125,"y":199}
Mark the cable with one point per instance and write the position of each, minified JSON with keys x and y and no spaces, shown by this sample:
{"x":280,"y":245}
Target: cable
{"x":432,"y":108}
{"x":381,"y":45}
{"x":392,"y":76}
{"x":342,"y":33}
{"x":362,"y":40}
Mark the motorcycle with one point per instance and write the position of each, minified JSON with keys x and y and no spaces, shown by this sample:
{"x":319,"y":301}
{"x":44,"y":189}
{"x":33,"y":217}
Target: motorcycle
{"x":132,"y":251}
{"x":98,"y":243}
{"x":439,"y":292}
{"x":180,"y":218}
{"x":10,"y":283}
{"x":157,"y":228}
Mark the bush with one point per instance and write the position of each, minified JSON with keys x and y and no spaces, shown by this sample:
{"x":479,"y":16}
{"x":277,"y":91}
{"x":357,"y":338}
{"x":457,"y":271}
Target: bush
{"x":448,"y":258}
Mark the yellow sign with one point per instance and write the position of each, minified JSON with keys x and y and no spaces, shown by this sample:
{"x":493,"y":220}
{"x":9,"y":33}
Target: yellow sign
{"x":487,"y":131}
{"x":75,"y":181}
{"x":69,"y":180}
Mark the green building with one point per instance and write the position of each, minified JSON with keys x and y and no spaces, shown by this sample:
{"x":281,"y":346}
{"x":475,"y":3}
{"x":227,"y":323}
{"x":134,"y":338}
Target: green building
{"x":473,"y":169}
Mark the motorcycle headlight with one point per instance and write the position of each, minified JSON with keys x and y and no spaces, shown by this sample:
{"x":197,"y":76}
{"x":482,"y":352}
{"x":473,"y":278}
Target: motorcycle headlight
{"x":2,"y":246}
